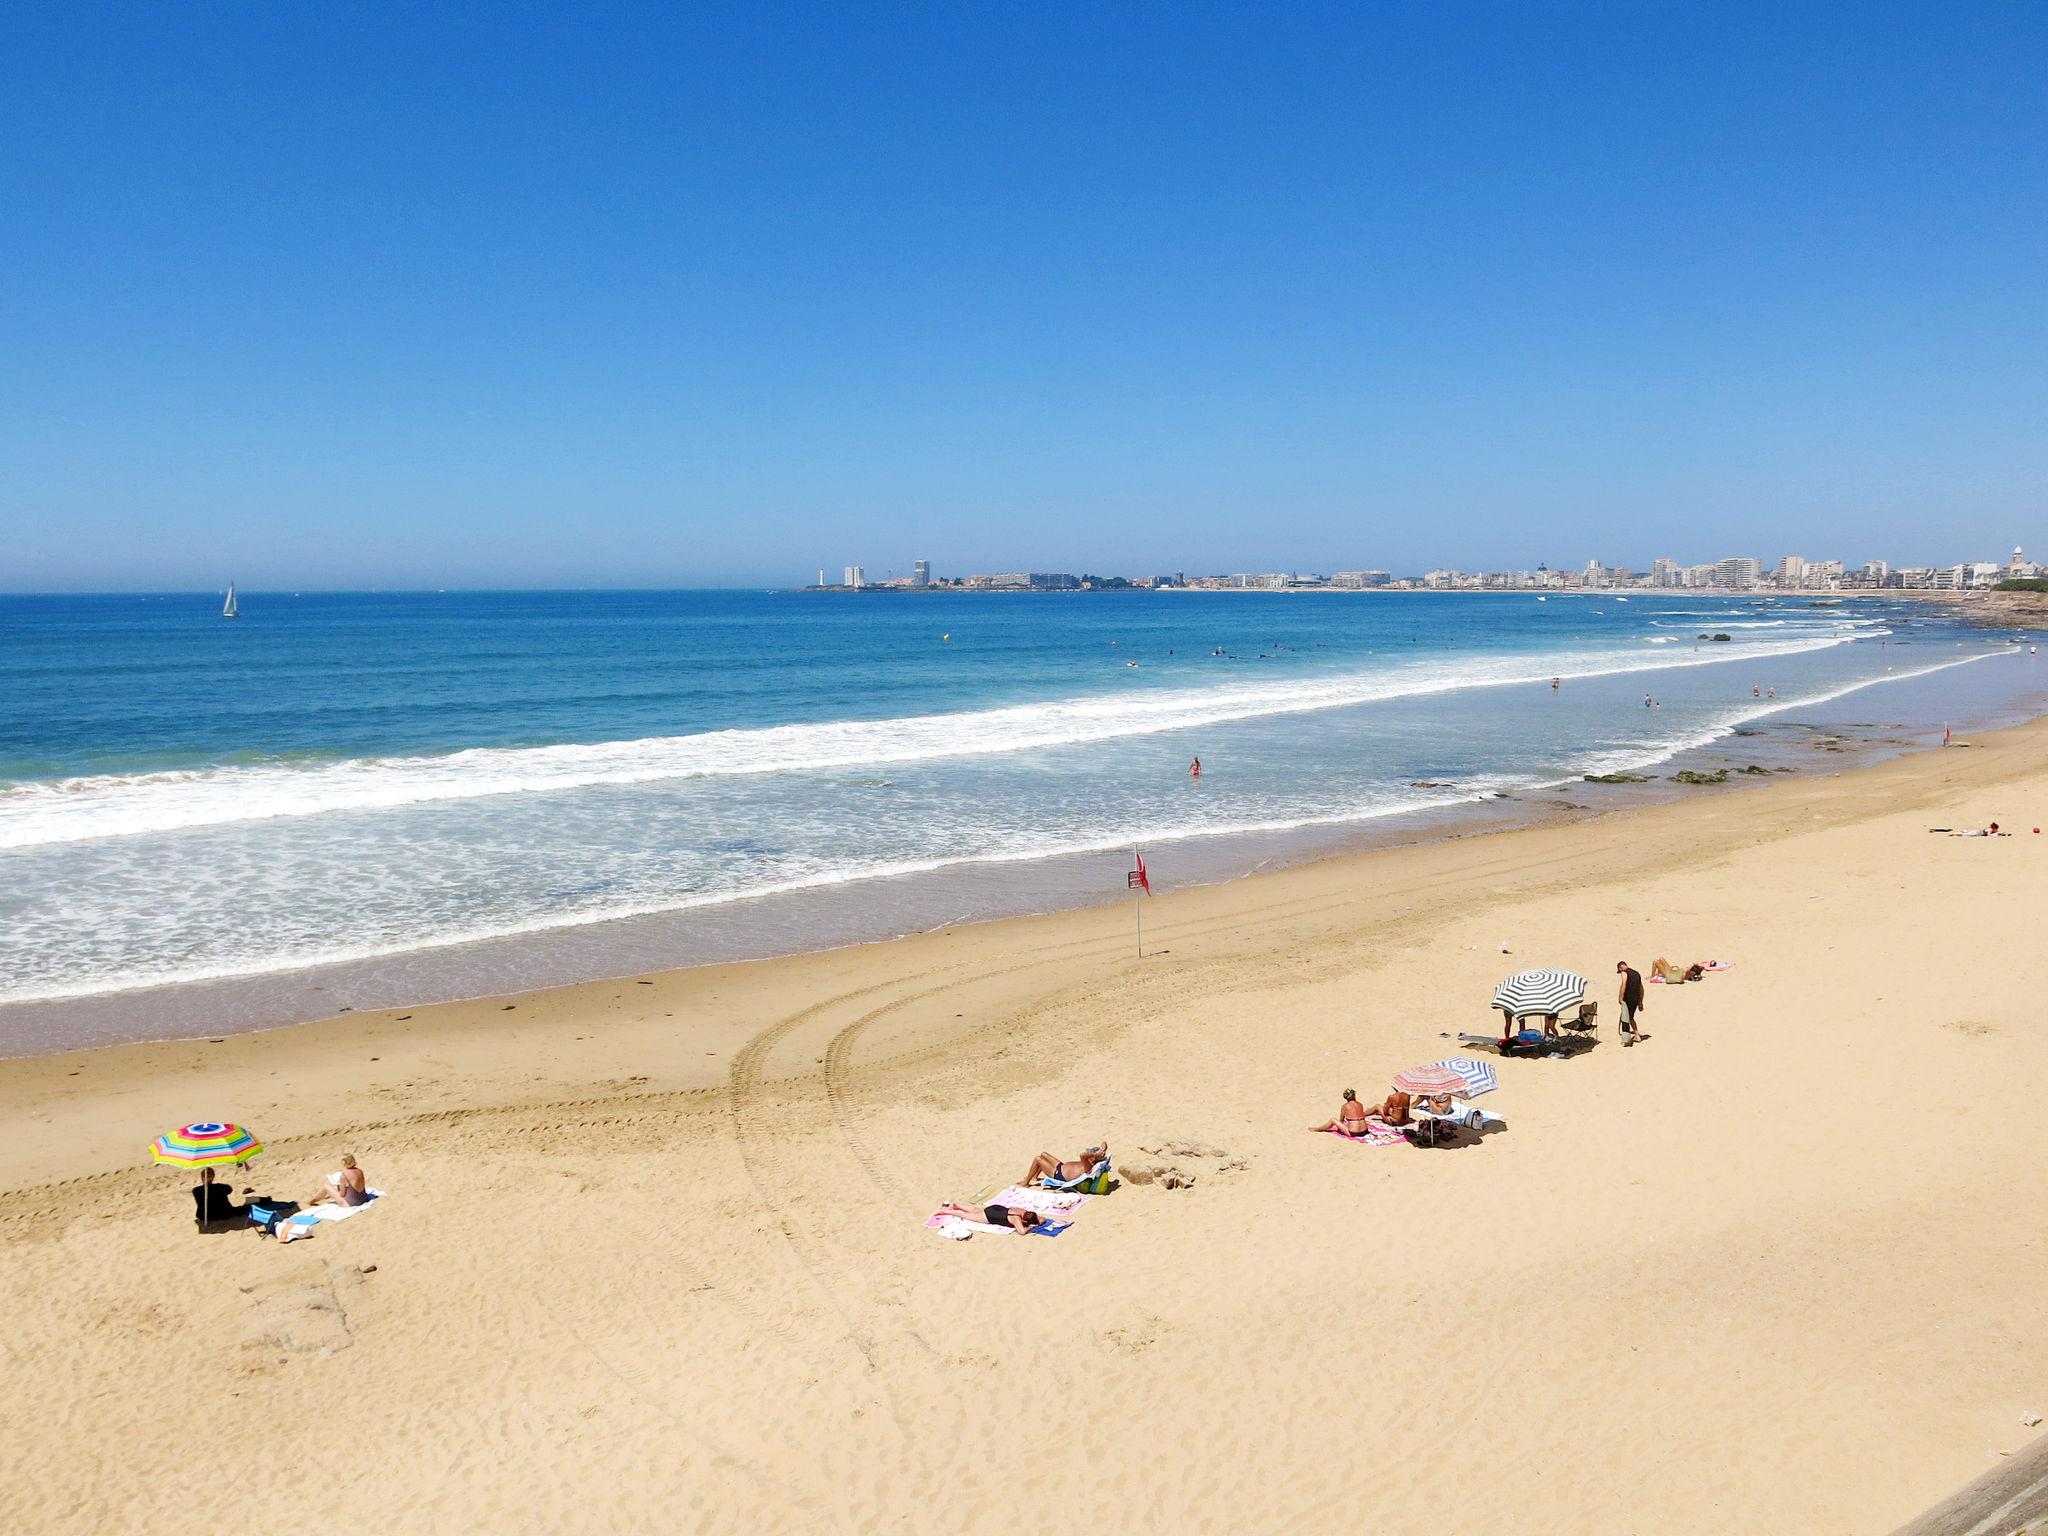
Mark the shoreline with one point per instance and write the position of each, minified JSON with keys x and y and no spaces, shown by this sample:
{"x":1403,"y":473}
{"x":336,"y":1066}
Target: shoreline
{"x":729,"y":931}
{"x":1640,"y":815}
{"x":662,"y":1238}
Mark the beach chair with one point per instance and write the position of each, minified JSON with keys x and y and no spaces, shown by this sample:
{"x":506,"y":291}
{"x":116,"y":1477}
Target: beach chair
{"x":1094,"y":1182}
{"x":1587,"y":1018}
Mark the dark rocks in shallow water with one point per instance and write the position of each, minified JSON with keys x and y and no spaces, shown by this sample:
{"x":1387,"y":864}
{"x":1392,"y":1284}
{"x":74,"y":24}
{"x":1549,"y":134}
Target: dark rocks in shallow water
{"x":1687,"y":776}
{"x":1429,"y":784}
{"x":1723,"y":637}
{"x":1754,"y":768}
{"x":1617,"y":778}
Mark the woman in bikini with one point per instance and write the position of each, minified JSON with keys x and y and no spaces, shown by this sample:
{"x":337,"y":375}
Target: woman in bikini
{"x":1351,"y":1117}
{"x":1045,"y":1165}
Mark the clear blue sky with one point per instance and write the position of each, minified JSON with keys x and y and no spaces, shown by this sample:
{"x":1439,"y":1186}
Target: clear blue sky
{"x":322,"y":294}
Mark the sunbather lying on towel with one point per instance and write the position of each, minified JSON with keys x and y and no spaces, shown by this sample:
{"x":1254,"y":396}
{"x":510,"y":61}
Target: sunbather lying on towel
{"x":1013,"y":1217}
{"x":1350,"y":1119}
{"x":1665,"y":971}
{"x":1046,"y":1165}
{"x":345,"y":1186}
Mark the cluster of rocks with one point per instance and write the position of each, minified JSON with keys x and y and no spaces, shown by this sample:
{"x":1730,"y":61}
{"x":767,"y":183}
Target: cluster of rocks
{"x":1174,"y":1164}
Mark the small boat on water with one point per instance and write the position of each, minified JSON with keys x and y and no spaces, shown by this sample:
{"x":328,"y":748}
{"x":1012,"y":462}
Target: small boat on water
{"x":229,"y":610}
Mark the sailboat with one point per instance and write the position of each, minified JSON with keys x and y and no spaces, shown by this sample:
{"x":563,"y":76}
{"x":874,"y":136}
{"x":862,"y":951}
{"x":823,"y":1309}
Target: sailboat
{"x":230,"y":611}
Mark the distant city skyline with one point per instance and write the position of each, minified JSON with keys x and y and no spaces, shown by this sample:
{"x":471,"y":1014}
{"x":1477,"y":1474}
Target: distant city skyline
{"x":636,"y":295}
{"x":1731,"y":573}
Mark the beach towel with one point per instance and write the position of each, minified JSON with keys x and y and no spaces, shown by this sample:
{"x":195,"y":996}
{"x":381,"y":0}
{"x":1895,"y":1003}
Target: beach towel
{"x":959,"y":1228}
{"x":313,"y":1213}
{"x":1375,"y":1136}
{"x":1094,"y":1182}
{"x":1046,"y":1202}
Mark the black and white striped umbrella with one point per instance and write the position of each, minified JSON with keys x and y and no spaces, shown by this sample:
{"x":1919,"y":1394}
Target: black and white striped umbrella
{"x":1544,"y":992}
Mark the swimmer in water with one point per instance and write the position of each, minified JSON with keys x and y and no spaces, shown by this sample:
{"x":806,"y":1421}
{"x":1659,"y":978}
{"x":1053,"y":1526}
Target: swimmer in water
{"x":1195,"y":769}
{"x":1553,"y":685}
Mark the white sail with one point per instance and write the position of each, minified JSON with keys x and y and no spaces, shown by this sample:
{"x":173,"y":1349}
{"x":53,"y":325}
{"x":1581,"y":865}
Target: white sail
{"x":230,"y":611}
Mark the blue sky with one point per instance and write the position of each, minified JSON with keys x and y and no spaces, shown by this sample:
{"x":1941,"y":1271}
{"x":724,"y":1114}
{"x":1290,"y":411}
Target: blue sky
{"x":321,"y":295}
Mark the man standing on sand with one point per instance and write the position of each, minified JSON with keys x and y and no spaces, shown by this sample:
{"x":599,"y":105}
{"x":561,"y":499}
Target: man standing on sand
{"x":1631,"y":1001}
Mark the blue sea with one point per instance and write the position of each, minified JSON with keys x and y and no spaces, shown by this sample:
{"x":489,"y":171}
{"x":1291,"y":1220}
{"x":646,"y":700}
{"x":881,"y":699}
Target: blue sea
{"x":373,"y":780}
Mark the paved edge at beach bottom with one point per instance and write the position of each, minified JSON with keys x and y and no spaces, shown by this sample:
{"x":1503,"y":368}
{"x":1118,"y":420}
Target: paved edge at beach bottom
{"x":2006,"y":1501}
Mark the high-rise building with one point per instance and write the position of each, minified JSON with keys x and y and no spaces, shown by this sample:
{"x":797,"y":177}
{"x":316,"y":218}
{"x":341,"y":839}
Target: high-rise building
{"x":1664,"y":572}
{"x":856,"y":577}
{"x":1739,"y":573}
{"x":1792,"y":571}
{"x":921,"y":574}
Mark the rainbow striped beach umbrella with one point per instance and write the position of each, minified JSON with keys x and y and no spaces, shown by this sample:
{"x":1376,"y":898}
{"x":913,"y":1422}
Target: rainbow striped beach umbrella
{"x":205,"y":1144}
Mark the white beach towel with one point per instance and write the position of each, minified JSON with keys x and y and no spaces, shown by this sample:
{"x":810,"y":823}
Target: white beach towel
{"x":314,"y":1213}
{"x":959,"y":1229}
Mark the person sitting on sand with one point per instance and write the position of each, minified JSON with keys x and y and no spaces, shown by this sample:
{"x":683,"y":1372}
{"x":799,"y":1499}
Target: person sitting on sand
{"x":1016,"y":1218}
{"x":1395,"y":1110}
{"x":1351,"y":1117}
{"x":215,"y":1202}
{"x":345,"y":1186}
{"x":1045,"y":1165}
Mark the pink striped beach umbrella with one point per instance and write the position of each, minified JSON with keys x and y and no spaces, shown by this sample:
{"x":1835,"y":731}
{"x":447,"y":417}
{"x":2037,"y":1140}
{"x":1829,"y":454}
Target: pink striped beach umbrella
{"x":1427,"y":1082}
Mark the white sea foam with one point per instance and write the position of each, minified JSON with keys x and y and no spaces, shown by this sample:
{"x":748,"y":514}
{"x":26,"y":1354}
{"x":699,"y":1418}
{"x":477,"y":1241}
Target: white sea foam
{"x":1147,"y":834}
{"x":37,"y":813}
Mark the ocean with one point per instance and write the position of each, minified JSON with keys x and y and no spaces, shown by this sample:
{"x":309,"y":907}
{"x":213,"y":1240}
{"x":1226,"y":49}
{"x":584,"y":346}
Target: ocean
{"x":402,"y":796}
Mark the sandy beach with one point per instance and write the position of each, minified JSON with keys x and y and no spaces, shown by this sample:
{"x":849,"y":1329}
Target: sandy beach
{"x":653,"y":1253}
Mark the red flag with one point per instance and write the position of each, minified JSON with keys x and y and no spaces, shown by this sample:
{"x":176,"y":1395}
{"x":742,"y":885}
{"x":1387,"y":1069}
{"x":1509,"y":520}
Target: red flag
{"x":1136,"y":878}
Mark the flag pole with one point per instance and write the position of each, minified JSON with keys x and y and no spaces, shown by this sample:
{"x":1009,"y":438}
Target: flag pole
{"x":1138,"y":909}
